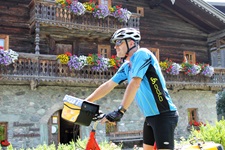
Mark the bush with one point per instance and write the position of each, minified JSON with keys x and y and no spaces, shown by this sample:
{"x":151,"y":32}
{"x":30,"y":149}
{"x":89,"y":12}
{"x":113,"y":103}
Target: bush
{"x":221,"y":102}
{"x":214,"y":133}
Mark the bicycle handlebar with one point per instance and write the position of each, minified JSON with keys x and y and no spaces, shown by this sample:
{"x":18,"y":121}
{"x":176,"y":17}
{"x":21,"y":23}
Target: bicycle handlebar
{"x":98,"y":116}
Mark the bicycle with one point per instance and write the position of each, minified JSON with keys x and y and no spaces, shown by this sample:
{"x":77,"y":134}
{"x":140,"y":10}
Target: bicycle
{"x":82,"y":112}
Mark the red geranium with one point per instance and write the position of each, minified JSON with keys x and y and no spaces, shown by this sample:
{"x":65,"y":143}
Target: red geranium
{"x":68,"y":2}
{"x":196,"y":123}
{"x":68,"y":54}
{"x":5,"y":143}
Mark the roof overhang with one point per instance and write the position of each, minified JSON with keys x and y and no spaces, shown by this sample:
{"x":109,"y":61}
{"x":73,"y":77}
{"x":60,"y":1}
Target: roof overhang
{"x":199,"y":13}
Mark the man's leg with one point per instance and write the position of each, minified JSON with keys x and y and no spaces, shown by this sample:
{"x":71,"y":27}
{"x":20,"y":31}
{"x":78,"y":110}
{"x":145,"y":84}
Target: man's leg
{"x":147,"y":147}
{"x":148,"y":137}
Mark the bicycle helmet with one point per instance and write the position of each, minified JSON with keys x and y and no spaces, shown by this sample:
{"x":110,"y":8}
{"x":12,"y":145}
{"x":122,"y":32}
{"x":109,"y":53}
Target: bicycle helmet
{"x":126,"y":33}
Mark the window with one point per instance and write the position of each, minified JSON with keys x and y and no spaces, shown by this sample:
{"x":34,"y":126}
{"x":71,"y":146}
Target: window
{"x":62,"y":48}
{"x":105,"y":2}
{"x":3,"y":131}
{"x":189,"y":57}
{"x":140,"y":10}
{"x":192,"y":114}
{"x":4,"y":41}
{"x":155,"y":51}
{"x":110,"y":127}
{"x":104,"y":50}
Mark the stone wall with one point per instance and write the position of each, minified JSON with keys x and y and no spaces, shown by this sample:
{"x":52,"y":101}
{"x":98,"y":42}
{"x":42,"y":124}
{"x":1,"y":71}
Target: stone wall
{"x":28,"y":111}
{"x":204,"y":101}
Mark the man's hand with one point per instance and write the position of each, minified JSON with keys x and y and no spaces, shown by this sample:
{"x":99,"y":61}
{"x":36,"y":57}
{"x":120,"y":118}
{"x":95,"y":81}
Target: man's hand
{"x":114,"y":116}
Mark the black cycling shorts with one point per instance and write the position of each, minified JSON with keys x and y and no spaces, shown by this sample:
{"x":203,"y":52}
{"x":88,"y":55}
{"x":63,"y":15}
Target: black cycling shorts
{"x":160,"y":129}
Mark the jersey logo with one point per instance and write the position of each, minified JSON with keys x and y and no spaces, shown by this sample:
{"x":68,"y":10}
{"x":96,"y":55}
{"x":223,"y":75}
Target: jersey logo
{"x":156,"y":87}
{"x":153,"y":80}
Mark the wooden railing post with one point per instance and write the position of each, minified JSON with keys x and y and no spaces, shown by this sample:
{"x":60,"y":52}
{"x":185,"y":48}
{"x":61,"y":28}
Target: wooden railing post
{"x":37,"y":38}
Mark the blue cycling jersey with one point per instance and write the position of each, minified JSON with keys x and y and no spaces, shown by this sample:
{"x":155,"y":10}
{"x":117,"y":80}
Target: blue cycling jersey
{"x":152,"y":96}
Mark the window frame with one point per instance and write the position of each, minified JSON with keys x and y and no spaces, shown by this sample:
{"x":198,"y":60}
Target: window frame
{"x":108,"y":50}
{"x":191,"y":55}
{"x":155,"y":51}
{"x":192,"y":114}
{"x":6,"y":41}
{"x":140,"y":10}
{"x":61,"y":48}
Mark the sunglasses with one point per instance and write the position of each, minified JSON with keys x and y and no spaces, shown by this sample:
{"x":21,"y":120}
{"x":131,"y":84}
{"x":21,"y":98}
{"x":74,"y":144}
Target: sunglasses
{"x":119,"y":42}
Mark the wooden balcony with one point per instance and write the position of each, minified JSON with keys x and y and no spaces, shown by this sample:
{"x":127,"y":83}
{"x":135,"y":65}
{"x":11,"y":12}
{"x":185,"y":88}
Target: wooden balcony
{"x":46,"y":70}
{"x":49,"y":19}
{"x":48,"y":13}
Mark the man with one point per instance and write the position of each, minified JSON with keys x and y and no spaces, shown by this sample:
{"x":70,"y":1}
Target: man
{"x":146,"y":85}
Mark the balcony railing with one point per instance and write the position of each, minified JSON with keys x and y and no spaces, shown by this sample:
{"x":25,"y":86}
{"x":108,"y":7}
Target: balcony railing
{"x":49,"y":13}
{"x":46,"y":67}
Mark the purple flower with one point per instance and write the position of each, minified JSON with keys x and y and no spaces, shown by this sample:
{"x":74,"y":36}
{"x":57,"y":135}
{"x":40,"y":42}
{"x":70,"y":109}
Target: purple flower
{"x":77,"y":8}
{"x":125,"y":15}
{"x":101,"y":12}
{"x":5,"y":59}
{"x":174,"y":69}
{"x":208,"y":71}
{"x":122,"y":14}
{"x":193,"y":70}
{"x":102,"y":64}
{"x":77,"y":63}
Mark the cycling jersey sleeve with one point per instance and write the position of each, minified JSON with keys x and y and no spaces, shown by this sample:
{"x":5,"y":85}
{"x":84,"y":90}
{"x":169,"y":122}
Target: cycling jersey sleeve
{"x":121,"y":74}
{"x":140,"y":63}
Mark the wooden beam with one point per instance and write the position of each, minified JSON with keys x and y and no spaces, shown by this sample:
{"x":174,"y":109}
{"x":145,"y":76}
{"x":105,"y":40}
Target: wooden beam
{"x":216,"y":35}
{"x":184,"y":18}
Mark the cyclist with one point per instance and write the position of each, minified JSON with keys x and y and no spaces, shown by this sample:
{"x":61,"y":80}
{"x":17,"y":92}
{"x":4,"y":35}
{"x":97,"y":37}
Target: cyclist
{"x":146,"y":85}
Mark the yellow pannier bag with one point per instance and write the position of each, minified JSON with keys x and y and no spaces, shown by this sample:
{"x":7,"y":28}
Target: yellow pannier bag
{"x":70,"y":112}
{"x":79,"y":111}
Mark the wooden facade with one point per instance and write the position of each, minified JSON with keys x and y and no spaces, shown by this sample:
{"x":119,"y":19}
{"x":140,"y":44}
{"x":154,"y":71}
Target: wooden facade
{"x":167,"y":30}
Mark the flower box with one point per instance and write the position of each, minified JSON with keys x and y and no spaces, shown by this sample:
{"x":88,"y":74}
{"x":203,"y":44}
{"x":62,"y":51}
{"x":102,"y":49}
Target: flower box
{"x":182,"y":77}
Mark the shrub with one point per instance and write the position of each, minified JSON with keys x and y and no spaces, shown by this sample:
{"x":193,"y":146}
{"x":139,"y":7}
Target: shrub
{"x":209,"y":132}
{"x":221,"y":102}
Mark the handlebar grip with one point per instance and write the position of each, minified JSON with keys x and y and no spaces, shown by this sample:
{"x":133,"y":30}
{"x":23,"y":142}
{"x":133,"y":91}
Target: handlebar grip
{"x":98,"y":116}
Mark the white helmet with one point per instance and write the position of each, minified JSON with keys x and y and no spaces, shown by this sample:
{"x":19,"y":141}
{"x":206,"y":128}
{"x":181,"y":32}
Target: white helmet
{"x":126,"y":33}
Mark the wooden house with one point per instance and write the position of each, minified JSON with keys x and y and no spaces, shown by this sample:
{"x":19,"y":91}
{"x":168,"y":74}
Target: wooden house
{"x":33,"y":87}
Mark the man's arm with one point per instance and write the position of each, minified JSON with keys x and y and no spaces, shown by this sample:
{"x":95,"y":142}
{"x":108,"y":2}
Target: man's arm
{"x":102,"y":90}
{"x":128,"y":97}
{"x":130,"y":92}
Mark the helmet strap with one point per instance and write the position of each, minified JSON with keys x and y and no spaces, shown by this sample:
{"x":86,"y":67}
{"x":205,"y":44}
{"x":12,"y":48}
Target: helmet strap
{"x":128,"y":49}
